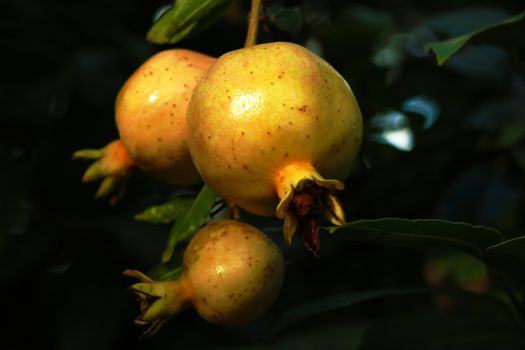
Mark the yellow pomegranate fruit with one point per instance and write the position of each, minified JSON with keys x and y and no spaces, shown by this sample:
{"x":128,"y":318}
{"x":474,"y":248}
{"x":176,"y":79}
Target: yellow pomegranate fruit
{"x":150,"y":113}
{"x":232,"y":273}
{"x":274,"y":129}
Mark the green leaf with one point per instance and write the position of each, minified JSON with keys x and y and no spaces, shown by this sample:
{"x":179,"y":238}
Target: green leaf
{"x":185,"y":17}
{"x":496,"y":33}
{"x":170,"y":270}
{"x":426,"y":233}
{"x":508,"y":257}
{"x":192,"y":220}
{"x":167,"y":212}
{"x":334,"y":302}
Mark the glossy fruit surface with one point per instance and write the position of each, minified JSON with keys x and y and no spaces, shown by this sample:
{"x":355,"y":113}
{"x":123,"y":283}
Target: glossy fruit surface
{"x":232,"y":274}
{"x":272,"y":120}
{"x":150,"y":113}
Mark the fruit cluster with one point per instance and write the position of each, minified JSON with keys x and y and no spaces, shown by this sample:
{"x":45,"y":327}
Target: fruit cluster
{"x":272,"y":128}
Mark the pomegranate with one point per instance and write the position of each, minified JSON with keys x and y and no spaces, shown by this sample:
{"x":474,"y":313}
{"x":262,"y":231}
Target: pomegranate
{"x":232,"y":273}
{"x":274,"y":129}
{"x":150,"y":112}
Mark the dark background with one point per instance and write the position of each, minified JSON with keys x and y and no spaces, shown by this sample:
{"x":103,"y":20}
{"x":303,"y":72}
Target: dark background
{"x":62,"y":253}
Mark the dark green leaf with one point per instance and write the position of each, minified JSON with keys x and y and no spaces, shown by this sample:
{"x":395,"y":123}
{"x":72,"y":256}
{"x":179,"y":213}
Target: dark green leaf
{"x":192,"y":220}
{"x":167,"y":212}
{"x":499,"y":32}
{"x":508,"y":257}
{"x":170,"y":270}
{"x":334,"y":302}
{"x":185,"y":17}
{"x":426,"y":233}
{"x":169,"y":274}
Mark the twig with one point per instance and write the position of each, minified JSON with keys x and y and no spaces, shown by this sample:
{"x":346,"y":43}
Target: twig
{"x":253,"y":24}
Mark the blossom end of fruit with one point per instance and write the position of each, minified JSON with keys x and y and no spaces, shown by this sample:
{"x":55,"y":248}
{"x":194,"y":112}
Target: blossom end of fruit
{"x":283,"y":205}
{"x":333,"y":210}
{"x":107,"y":186}
{"x":88,"y":154}
{"x":304,"y":206}
{"x":153,"y":327}
{"x":112,"y":163}
{"x":158,"y":300}
{"x":330,"y":184}
{"x":137,"y":274}
{"x":93,"y":172}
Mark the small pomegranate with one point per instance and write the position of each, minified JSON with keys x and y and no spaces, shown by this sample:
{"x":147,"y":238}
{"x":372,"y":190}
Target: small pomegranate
{"x":150,"y":113}
{"x":232,"y":273}
{"x":274,"y":129}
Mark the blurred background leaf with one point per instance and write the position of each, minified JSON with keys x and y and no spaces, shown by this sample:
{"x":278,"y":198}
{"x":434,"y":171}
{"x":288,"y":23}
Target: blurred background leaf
{"x":461,"y":270}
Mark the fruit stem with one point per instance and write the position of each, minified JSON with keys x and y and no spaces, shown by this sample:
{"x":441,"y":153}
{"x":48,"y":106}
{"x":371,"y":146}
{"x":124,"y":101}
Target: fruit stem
{"x":253,"y":24}
{"x":232,"y":212}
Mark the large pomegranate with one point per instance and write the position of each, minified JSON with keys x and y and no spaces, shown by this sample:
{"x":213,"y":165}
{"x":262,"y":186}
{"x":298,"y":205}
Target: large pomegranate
{"x":274,"y":129}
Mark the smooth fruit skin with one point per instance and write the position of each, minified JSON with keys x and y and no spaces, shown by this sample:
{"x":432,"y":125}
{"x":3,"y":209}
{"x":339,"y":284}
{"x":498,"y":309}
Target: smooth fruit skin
{"x":232,"y":274}
{"x":262,"y":110}
{"x":150,"y":113}
{"x":235,"y":271}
